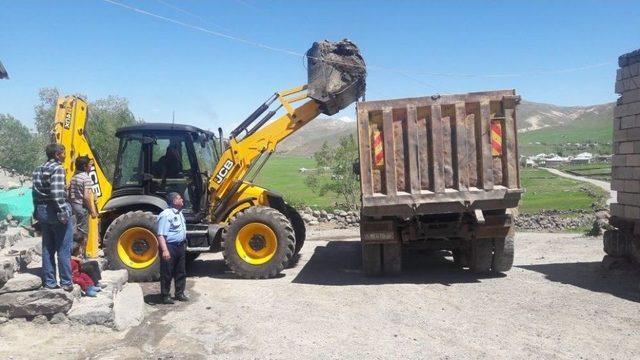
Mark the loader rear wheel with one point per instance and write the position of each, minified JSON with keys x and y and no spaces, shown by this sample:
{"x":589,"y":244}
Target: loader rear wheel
{"x":481,"y":255}
{"x":131,"y":244}
{"x":258,"y":243}
{"x":503,"y":252}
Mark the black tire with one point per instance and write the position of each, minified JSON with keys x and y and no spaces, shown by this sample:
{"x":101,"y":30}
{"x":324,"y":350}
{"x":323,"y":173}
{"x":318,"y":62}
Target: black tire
{"x":124,"y":222}
{"x":285,"y":242}
{"x":299,"y":228}
{"x":371,"y":259}
{"x":460,"y":257}
{"x":481,"y":255}
{"x":503,"y":252}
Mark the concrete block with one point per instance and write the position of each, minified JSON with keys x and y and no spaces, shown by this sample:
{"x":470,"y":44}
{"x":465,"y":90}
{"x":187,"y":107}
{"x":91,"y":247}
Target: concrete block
{"x":619,"y":160}
{"x":617,"y":210}
{"x":626,"y":198}
{"x":33,"y":303}
{"x":630,"y":96}
{"x":616,"y":124}
{"x":631,"y":212}
{"x":628,"y":122}
{"x":22,"y":282}
{"x":621,"y":172}
{"x":632,"y":186}
{"x":128,"y":307}
{"x":625,"y":147}
{"x":617,"y":185}
{"x":633,"y":160}
{"x":626,"y":110}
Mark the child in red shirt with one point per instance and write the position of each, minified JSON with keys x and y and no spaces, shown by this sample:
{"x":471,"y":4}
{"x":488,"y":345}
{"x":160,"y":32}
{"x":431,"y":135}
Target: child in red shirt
{"x":80,"y":278}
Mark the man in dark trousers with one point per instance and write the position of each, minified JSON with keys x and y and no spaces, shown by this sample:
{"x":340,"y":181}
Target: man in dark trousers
{"x":172,"y":236}
{"x":53,"y":213}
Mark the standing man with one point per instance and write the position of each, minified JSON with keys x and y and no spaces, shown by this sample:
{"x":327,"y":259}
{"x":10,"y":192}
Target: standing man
{"x":172,"y":236}
{"x":54,"y":214}
{"x":81,"y":199}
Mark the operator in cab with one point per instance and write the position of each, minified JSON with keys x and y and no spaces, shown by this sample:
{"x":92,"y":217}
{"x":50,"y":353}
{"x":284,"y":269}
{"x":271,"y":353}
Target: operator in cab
{"x":172,"y":236}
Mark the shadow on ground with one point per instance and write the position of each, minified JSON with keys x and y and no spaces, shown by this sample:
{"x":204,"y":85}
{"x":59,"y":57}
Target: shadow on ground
{"x":622,"y":283}
{"x":339,"y":264}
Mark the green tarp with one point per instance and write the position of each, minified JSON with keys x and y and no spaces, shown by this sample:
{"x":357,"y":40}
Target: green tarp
{"x":18,"y":203}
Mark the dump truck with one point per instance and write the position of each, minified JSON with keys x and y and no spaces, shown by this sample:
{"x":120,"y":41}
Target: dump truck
{"x":258,"y":233}
{"x":439,"y":173}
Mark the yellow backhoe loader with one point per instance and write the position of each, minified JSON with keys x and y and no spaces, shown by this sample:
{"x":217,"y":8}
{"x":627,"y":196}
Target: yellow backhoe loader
{"x":257,"y":231}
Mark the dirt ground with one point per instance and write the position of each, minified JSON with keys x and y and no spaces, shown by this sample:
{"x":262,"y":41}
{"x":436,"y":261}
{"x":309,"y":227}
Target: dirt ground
{"x":557,"y":302}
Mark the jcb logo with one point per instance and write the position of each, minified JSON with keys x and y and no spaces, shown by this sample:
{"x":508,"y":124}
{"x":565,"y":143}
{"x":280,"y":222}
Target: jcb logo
{"x":96,"y":185}
{"x":224,"y":171}
{"x":67,"y":121}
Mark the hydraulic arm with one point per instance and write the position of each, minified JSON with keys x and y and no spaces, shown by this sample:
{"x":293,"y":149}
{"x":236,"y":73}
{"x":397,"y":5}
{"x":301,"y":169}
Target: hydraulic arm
{"x":242,"y":154}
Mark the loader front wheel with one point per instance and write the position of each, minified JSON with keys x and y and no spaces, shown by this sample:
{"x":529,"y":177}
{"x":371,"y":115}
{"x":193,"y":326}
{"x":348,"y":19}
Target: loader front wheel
{"x":131,"y":244}
{"x":258,"y":243}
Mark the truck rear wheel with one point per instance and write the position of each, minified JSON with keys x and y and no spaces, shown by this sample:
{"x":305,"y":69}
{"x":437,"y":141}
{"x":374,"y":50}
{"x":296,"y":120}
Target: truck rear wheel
{"x":258,"y":243}
{"x":372,"y":259}
{"x":131,"y":244}
{"x":481,"y":255}
{"x":503,"y":252}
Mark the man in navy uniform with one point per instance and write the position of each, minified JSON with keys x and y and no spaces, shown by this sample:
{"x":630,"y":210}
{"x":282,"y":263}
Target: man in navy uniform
{"x":172,"y":236}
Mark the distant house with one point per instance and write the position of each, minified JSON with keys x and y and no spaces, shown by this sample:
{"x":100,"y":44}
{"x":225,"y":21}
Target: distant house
{"x":603,"y":158}
{"x":582,"y":158}
{"x":555,"y":161}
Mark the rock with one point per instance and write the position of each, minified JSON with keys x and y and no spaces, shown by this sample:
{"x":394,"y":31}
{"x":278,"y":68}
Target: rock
{"x":77,"y":291}
{"x":3,"y":320}
{"x":342,"y":213}
{"x":115,"y":279}
{"x":11,"y":184}
{"x":315,"y":213}
{"x":313,"y":222}
{"x":58,"y":318}
{"x":22,"y":282}
{"x":128,"y":307}
{"x":40,"y":320}
{"x":323,"y":213}
{"x":36,"y":302}
{"x":7,"y":267}
{"x":330,"y":216}
{"x":93,"y":311}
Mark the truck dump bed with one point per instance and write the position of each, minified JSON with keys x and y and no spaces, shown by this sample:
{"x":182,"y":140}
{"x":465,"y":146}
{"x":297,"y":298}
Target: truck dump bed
{"x":439,"y":154}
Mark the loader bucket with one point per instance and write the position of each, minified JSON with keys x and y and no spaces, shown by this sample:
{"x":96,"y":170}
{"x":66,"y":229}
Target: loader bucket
{"x":336,"y":74}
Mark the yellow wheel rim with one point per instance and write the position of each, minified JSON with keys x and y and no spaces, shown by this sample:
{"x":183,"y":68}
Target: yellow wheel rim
{"x":137,"y":248}
{"x":256,"y":243}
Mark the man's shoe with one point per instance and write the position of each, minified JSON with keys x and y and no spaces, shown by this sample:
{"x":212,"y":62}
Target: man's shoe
{"x":67,"y":288}
{"x":167,"y":300}
{"x":182,"y":297}
{"x":51,"y":287}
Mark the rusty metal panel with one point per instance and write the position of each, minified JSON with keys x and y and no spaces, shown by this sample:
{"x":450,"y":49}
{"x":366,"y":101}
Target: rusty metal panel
{"x":436,"y":150}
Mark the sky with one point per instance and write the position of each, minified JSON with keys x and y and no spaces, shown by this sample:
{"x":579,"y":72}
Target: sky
{"x":558,"y":52}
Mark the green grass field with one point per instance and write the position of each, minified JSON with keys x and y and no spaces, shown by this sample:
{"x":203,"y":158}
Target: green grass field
{"x":543,"y":190}
{"x":547,"y":191}
{"x":281,"y":174}
{"x":599,"y":171}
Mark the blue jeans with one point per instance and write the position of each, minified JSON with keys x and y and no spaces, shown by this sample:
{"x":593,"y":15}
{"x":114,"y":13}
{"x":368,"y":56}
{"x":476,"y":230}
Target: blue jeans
{"x":57,"y":238}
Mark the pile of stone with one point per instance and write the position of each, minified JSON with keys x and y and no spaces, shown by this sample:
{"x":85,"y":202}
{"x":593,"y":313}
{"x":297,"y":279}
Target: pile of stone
{"x":555,"y":220}
{"x":338,"y":218}
{"x":9,"y":179}
{"x":119,"y":305}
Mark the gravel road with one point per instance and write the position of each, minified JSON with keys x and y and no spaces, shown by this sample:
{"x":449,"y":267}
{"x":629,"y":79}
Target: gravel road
{"x":556,"y":303}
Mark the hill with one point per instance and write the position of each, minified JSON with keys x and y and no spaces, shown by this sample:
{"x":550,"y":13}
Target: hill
{"x":541,"y":128}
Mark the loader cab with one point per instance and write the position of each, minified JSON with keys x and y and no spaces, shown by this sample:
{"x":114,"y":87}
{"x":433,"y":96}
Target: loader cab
{"x":155,"y":159}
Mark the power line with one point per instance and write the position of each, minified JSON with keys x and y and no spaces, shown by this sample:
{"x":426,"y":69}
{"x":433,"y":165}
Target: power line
{"x":406,"y":73}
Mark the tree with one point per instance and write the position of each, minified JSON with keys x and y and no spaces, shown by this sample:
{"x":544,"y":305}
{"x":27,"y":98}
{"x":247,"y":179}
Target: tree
{"x":335,"y":172}
{"x":105,"y":117}
{"x":19,"y":148}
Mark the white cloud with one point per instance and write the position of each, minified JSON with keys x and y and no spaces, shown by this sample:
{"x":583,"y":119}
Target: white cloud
{"x":347,"y":119}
